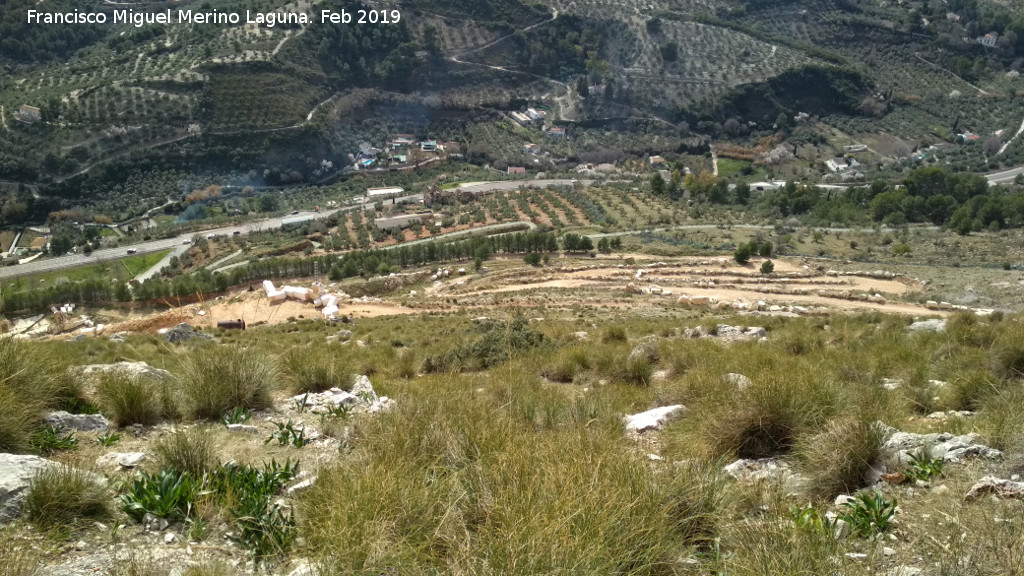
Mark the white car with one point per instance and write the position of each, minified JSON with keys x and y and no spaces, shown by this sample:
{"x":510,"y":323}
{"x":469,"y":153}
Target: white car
{"x":186,"y":241}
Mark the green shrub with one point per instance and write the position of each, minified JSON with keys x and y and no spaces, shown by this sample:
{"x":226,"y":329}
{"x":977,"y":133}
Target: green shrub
{"x":837,"y":459}
{"x":923,"y":467}
{"x":1009,"y":358}
{"x":31,"y":381}
{"x":264,"y":527}
{"x":50,"y":439}
{"x":1001,"y":420}
{"x":217,"y":379}
{"x":742,"y":254}
{"x":406,"y":365}
{"x":498,"y":342}
{"x":315,"y":369}
{"x":189,"y":451}
{"x":968,"y":389}
{"x":764,"y":420}
{"x":614,"y":334}
{"x":236,"y":415}
{"x":167,"y":494}
{"x":567,"y":364}
{"x":130,"y":399}
{"x":638,"y":371}
{"x":287,"y":434}
{"x":869,"y":514}
{"x":63,"y":497}
{"x":767,"y":267}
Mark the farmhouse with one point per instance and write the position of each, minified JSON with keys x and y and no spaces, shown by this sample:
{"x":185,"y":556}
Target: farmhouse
{"x":29,"y":114}
{"x":837,"y":164}
{"x":556,"y":132}
{"x":988,"y":40}
{"x":428,"y":146}
{"x":656,"y":160}
{"x":531,"y":148}
{"x":520,"y":118}
{"x":534,"y":114}
{"x":516,"y":170}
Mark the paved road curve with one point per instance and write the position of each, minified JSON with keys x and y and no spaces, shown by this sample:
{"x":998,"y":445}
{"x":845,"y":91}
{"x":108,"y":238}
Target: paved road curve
{"x":1004,"y":177}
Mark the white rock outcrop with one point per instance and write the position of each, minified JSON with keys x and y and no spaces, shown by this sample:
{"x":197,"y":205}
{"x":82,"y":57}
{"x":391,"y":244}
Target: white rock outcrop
{"x":116,"y":460}
{"x":130,"y":368}
{"x":740,"y":381}
{"x":903,"y":445}
{"x":362,"y":398}
{"x":652,"y":419}
{"x":79,"y":422}
{"x":997,"y":486}
{"x":935,"y":325}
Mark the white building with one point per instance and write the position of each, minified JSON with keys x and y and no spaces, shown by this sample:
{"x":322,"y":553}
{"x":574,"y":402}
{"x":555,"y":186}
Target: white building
{"x":384,"y":192}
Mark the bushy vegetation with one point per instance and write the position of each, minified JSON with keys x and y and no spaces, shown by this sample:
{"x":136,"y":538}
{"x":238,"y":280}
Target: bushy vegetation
{"x":499,"y":485}
{"x":189,"y":451}
{"x":30,"y":382}
{"x":215,"y":381}
{"x":316,"y":369}
{"x":133,"y":399}
{"x":63,"y":497}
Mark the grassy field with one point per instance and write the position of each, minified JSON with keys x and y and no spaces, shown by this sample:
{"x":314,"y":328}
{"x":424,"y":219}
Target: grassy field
{"x":507,"y":454}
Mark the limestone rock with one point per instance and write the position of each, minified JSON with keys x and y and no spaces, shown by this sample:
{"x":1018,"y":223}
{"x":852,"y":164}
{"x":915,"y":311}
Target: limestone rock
{"x":652,"y":419}
{"x":183,"y":332}
{"x":891,"y":383}
{"x":997,"y":486}
{"x":121,"y":459}
{"x":774,"y":470}
{"x":934,"y":325}
{"x":243,"y":428}
{"x":79,"y":422}
{"x":740,"y":381}
{"x":903,"y":445}
{"x":140,"y":369}
{"x":16,"y":471}
{"x":362,"y":388}
{"x":646,"y":349}
{"x":344,"y":335}
{"x":362,"y":398}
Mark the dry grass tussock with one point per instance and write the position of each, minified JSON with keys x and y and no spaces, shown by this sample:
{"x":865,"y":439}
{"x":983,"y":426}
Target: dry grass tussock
{"x":31,"y":381}
{"x":464,"y":483}
{"x":215,"y":380}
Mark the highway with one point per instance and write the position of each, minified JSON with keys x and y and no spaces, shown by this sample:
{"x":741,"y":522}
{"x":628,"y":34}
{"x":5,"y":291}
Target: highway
{"x":1005,"y":176}
{"x":44,"y":265}
{"x":108,"y":254}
